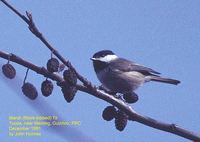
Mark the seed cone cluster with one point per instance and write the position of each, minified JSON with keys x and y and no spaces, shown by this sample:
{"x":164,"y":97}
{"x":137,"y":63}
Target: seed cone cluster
{"x":29,"y":91}
{"x":46,"y":88}
{"x":9,"y":71}
{"x":121,"y":118}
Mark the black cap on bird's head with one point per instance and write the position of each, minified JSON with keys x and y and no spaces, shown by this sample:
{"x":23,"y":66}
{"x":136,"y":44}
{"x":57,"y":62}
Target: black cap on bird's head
{"x":102,"y":58}
{"x":102,"y":53}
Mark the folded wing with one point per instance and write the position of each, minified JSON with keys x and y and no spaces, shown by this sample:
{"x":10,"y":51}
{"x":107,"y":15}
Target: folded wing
{"x":127,"y":66}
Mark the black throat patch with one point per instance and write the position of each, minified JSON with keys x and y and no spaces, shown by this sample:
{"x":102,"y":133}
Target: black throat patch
{"x":99,"y":65}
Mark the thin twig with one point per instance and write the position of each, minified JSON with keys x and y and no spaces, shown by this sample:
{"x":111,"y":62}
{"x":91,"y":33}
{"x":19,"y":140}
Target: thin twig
{"x":33,"y":28}
{"x":26,"y":76}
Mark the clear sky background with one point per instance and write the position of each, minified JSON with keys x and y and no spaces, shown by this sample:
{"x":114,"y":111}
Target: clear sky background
{"x":163,"y":35}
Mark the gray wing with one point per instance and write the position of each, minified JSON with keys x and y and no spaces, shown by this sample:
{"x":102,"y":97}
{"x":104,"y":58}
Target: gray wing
{"x":127,"y":66}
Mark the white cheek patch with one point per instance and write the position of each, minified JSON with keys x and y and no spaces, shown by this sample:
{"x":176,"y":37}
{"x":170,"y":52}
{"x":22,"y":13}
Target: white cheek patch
{"x":108,"y":58}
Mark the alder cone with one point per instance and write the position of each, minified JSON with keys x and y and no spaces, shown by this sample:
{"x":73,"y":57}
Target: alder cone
{"x":46,"y":88}
{"x":29,"y":91}
{"x":53,"y":65}
{"x":9,"y":71}
{"x":130,"y":97}
{"x":109,"y":113}
{"x":121,"y":120}
{"x":69,"y":92}
{"x":70,"y":76}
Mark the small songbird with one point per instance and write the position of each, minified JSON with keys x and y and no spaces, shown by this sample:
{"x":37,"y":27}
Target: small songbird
{"x":123,"y":76}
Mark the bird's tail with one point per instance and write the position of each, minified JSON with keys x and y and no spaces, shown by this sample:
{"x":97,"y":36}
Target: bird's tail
{"x":165,"y":80}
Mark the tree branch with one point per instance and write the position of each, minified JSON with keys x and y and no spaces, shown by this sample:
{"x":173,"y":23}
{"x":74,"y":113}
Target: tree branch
{"x":87,"y":86}
{"x":134,"y":116}
{"x":32,"y":27}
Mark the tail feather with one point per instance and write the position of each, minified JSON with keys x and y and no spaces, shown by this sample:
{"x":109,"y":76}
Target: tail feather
{"x":165,"y":80}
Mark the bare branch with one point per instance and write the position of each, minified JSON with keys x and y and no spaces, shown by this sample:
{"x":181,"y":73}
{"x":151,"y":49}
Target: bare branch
{"x":38,"y":34}
{"x":87,"y":86}
{"x":134,"y":116}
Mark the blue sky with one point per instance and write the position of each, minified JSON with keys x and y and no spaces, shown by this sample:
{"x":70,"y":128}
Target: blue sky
{"x":163,"y":35}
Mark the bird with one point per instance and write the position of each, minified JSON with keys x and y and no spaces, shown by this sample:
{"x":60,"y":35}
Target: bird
{"x":123,"y":76}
